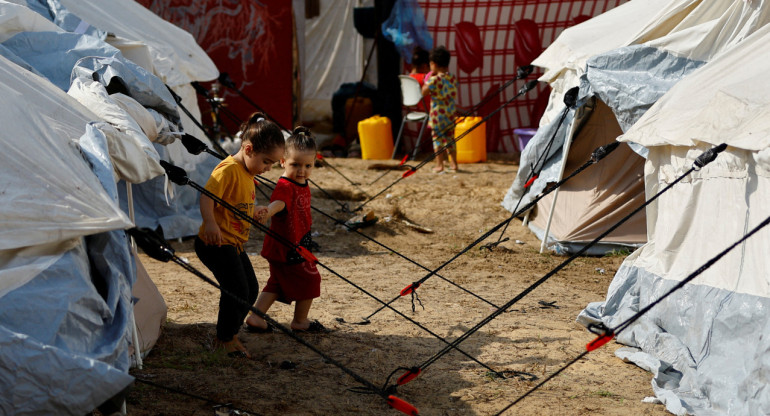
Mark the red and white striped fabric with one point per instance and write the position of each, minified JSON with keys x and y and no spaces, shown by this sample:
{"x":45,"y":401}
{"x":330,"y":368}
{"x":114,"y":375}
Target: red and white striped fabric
{"x":490,"y":39}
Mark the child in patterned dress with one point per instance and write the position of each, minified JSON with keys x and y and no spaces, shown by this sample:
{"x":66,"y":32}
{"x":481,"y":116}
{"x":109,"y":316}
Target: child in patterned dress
{"x":441,"y":86}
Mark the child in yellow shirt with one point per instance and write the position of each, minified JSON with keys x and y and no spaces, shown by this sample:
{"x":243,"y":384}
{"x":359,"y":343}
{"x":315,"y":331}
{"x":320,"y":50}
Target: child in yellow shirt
{"x":220,"y":240}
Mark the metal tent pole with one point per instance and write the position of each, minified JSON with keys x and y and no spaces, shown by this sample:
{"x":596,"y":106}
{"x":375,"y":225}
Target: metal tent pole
{"x":565,"y":153}
{"x":134,"y":332}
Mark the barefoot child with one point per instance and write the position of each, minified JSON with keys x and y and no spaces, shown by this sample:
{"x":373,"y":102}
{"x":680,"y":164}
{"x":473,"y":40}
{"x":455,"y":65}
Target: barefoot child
{"x":441,"y":86}
{"x":220,"y":240}
{"x":292,"y":278}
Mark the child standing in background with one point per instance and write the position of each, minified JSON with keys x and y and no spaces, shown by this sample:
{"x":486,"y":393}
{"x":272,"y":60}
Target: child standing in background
{"x":441,"y":86}
{"x":420,"y":68}
{"x":292,"y":278}
{"x":220,"y":240}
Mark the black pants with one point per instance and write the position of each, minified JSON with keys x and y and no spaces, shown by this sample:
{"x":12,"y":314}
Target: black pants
{"x":235,"y":274}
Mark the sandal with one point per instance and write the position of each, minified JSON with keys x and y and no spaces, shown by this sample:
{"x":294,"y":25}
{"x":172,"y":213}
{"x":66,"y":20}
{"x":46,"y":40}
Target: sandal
{"x":233,"y":348}
{"x":258,"y":330}
{"x":314,"y":328}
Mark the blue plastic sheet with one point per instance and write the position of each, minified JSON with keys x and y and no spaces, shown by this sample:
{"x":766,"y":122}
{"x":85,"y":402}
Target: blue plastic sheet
{"x":64,"y":334}
{"x":406,"y":28}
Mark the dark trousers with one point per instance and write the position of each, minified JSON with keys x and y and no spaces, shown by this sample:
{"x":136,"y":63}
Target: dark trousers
{"x":235,"y":274}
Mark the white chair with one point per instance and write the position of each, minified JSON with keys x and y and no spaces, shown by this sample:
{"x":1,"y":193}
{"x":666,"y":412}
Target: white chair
{"x":411,"y":94}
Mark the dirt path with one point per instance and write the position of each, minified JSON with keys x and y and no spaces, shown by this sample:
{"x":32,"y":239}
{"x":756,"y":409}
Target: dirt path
{"x":537,"y":336}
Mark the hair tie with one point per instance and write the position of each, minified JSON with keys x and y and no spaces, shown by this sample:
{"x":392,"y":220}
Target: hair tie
{"x":259,"y":119}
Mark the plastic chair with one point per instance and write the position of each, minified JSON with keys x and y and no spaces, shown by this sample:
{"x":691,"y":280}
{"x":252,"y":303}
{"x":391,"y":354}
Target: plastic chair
{"x":411,"y":94}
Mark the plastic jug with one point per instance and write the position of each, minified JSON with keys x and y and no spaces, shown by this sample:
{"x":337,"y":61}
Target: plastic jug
{"x":472,"y":147}
{"x":376,"y":138}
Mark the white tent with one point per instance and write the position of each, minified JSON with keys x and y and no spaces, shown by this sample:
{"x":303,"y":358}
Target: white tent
{"x":73,"y":244}
{"x":707,"y":344}
{"x":165,"y":51}
{"x":653,"y":46}
{"x":58,"y":187}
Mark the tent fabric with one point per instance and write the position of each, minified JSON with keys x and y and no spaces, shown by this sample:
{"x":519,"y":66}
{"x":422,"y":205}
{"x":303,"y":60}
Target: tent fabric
{"x":608,"y":190}
{"x":510,"y":34}
{"x":332,"y":52}
{"x":59,"y":55}
{"x":66,"y":351}
{"x":50,"y":120}
{"x":172,"y":55}
{"x":15,"y":18}
{"x":176,"y":56}
{"x":150,"y":310}
{"x":630,"y":79}
{"x":67,"y":348}
{"x":706,"y":344}
{"x":54,"y":54}
{"x":564,"y":61}
{"x":54,"y":11}
{"x":633,"y":78}
{"x":178,"y":213}
{"x":134,"y":158}
{"x":735,"y":114}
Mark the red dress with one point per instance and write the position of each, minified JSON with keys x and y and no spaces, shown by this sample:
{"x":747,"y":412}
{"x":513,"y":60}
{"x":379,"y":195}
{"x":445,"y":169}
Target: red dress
{"x":291,"y":276}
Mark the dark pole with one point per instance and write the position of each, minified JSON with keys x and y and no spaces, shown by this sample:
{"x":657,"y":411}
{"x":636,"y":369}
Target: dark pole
{"x":388,"y":69}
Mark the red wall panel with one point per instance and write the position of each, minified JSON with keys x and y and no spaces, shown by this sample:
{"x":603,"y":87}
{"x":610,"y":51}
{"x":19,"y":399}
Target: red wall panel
{"x":251,"y":41}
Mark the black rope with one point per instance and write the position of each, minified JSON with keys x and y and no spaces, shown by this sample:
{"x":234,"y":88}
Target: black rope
{"x":195,"y":146}
{"x":178,"y":100}
{"x":356,"y":184}
{"x":450,"y":142}
{"x":569,"y":100}
{"x":522,"y":72}
{"x":606,"y":334}
{"x":701,"y":161}
{"x":205,"y":399}
{"x":343,"y":206}
{"x":597,"y":155}
{"x":225,"y":80}
{"x":179,"y":176}
{"x":154,"y":246}
{"x":216,"y":106}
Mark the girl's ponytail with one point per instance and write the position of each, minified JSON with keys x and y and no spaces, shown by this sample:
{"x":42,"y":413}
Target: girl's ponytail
{"x":263,"y":134}
{"x":301,"y":140}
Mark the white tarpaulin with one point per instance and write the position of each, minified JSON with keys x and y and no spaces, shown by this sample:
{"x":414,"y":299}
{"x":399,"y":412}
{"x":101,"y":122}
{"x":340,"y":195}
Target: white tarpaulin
{"x":176,"y":56}
{"x":650,"y":57}
{"x":64,"y":345}
{"x":176,"y":211}
{"x":40,"y":158}
{"x":707,"y":344}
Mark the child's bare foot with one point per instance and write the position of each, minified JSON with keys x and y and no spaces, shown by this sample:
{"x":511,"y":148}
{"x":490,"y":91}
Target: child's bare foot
{"x":255,"y":324}
{"x":438,"y":169}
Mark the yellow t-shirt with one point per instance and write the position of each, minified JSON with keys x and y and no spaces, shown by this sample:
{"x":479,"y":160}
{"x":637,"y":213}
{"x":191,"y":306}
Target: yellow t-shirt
{"x":231,"y":182}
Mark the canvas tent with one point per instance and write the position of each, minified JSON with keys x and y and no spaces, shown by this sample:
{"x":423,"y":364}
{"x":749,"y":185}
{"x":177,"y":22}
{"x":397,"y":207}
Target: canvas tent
{"x":64,"y":350}
{"x":707,"y":344}
{"x":61,"y":225}
{"x":172,"y":55}
{"x":654,"y":45}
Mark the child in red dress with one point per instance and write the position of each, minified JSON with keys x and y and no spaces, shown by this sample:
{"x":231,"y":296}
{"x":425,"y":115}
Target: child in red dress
{"x":292,"y":278}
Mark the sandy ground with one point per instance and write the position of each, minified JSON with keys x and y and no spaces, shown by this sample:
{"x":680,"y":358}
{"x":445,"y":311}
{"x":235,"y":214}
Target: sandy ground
{"x":537,"y":336}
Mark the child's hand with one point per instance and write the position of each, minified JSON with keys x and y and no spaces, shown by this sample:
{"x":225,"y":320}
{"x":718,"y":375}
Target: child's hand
{"x":211,"y":234}
{"x":261,"y":214}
